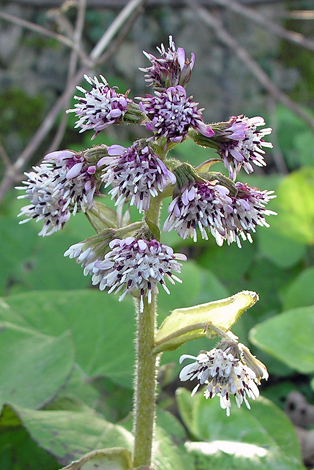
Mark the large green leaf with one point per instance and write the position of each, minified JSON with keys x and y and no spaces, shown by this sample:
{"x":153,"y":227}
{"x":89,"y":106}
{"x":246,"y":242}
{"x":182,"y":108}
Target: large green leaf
{"x":78,"y":388}
{"x":116,"y":458}
{"x":260,"y":438}
{"x":267,"y":279}
{"x":191,"y":276}
{"x":295,"y":137}
{"x":186,"y":324}
{"x":19,"y":452}
{"x":170,"y":437}
{"x":31,"y":262}
{"x":295,"y":206}
{"x":102,"y":328}
{"x":300,"y":292}
{"x":198,"y":285}
{"x":67,"y":435}
{"x":15,"y":253}
{"x":33,"y":366}
{"x":280,"y":249}
{"x":289,"y":337}
{"x":229,"y":262}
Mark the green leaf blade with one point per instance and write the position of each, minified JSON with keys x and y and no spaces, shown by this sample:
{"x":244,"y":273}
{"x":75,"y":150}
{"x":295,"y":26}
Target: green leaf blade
{"x":190,"y":323}
{"x":289,"y":338}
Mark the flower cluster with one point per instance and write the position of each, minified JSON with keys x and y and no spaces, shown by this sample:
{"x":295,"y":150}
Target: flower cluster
{"x":60,"y":186}
{"x":103,"y":106}
{"x":225,"y":372}
{"x":129,"y":258}
{"x":133,"y":266}
{"x":241,"y":144}
{"x":136,"y":174}
{"x":171,"y":114}
{"x":210,"y":206}
{"x":142,"y":175}
{"x":171,"y":69}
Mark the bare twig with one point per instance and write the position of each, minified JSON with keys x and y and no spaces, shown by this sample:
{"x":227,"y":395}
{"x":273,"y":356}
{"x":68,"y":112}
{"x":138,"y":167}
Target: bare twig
{"x":113,"y":28}
{"x":5,"y":157}
{"x":251,"y":64}
{"x":293,"y":15}
{"x":276,"y":151}
{"x":260,"y":19}
{"x":52,"y":115}
{"x":77,"y":36}
{"x":123,"y":33}
{"x":117,"y":4}
{"x":46,"y":32}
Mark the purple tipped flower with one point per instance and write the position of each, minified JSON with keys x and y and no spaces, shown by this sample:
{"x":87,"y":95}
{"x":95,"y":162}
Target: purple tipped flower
{"x":99,"y":107}
{"x":171,"y":114}
{"x":241,"y":144}
{"x":132,"y":266}
{"x":136,"y":175}
{"x":244,"y":211}
{"x":198,"y":206}
{"x":171,"y":69}
{"x":210,"y":207}
{"x":225,"y":372}
{"x":60,"y":186}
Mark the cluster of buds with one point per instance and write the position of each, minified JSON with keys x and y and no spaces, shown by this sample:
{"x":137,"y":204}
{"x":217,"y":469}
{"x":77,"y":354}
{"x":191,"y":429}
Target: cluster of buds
{"x":128,"y":259}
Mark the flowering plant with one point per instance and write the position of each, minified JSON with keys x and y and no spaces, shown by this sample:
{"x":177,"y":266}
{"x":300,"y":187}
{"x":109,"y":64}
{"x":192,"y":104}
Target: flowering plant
{"x":129,"y":258}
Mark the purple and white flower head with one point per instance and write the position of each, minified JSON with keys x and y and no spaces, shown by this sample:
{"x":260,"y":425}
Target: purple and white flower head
{"x":241,"y":144}
{"x":171,"y":114}
{"x":212,"y":207}
{"x":171,"y":69}
{"x":133,"y":266}
{"x":243,"y":211}
{"x":225,"y":372}
{"x":136,"y":174}
{"x":60,"y":186}
{"x":198,"y":206}
{"x":101,"y":106}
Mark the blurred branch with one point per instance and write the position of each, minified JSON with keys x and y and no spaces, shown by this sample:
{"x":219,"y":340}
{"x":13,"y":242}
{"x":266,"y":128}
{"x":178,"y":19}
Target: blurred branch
{"x":10,"y":175}
{"x":5,"y":157}
{"x":251,"y":64}
{"x":276,"y":152}
{"x":46,"y":32}
{"x":261,"y":19}
{"x":291,"y":15}
{"x":116,"y":4}
{"x":77,"y":36}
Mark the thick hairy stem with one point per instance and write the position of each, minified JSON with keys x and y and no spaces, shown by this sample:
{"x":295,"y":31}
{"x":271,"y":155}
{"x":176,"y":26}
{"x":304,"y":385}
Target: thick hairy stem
{"x":145,"y":385}
{"x":146,"y":369}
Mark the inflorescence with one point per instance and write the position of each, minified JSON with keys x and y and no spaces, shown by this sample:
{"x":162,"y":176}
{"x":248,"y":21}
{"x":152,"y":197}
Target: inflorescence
{"x":130,"y":258}
{"x":229,"y":369}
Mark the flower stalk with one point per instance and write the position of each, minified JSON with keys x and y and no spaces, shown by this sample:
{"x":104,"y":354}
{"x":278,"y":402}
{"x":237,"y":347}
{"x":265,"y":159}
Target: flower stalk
{"x":145,"y":384}
{"x":144,"y":409}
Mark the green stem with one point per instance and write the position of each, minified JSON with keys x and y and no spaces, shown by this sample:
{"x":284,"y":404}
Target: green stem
{"x":146,"y":369}
{"x":145,"y":386}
